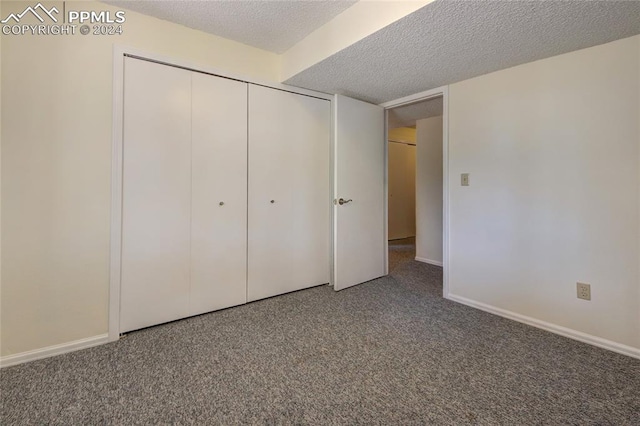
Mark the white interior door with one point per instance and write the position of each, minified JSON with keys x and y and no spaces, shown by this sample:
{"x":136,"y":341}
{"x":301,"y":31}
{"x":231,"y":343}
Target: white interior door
{"x":156,"y":194}
{"x":289,"y":192}
{"x":219,"y":193}
{"x":359,"y":167}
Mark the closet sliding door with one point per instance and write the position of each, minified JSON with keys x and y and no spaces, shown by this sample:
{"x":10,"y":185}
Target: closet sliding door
{"x":184,"y":217}
{"x":219,"y":194}
{"x":156,"y":200}
{"x":289,"y":194}
{"x":207,"y":221}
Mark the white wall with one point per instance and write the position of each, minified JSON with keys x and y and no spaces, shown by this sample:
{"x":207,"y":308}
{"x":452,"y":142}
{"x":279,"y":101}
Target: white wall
{"x":553,"y":152}
{"x":402,"y":190}
{"x":56,"y":166}
{"x":429,"y":190}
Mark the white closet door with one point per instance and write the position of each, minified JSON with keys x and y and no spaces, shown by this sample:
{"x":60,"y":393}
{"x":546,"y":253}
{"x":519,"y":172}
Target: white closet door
{"x":219,"y":194}
{"x":156,"y":194}
{"x":289,"y":195}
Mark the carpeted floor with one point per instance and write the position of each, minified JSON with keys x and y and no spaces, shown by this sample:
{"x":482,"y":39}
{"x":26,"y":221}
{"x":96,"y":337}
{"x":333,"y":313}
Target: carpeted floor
{"x":391,"y":351}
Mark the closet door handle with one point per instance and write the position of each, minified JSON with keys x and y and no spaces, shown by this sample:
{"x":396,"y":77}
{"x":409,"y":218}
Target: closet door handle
{"x":273,"y":201}
{"x":342,"y":201}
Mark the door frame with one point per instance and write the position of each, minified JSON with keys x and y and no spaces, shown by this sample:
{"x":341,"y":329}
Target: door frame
{"x":407,"y":100}
{"x":117,"y":145}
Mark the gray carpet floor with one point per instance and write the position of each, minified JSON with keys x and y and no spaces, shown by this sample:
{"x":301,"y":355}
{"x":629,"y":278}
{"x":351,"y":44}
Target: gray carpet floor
{"x":391,"y":351}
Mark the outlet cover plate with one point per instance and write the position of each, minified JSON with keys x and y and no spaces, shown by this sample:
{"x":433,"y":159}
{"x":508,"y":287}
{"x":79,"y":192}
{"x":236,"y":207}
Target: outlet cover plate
{"x":584,"y":291}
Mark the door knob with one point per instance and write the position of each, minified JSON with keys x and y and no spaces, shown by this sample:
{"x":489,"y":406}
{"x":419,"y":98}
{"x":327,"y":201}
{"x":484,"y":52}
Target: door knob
{"x":342,"y":201}
{"x":221,"y":203}
{"x":273,"y":201}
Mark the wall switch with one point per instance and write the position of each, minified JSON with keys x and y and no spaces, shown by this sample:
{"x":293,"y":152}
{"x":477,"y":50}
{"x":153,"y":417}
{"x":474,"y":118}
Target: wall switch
{"x":464,"y":179}
{"x":584,"y":291}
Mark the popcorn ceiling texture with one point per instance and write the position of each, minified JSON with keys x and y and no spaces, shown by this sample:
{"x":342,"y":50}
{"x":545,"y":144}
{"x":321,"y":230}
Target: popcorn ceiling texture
{"x":449,"y":41}
{"x":270,"y":25}
{"x":406,"y":116}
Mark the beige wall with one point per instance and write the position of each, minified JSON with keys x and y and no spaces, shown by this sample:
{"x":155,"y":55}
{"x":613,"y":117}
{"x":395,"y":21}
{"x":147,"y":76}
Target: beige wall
{"x":429,"y":190}
{"x":403,"y":134}
{"x":402,"y":183}
{"x":553,"y":152}
{"x":638,"y":123}
{"x":56,"y":166}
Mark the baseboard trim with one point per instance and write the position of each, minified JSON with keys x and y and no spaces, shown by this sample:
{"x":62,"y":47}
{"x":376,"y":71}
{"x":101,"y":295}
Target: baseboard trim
{"x":49,"y":351}
{"x":429,"y":261}
{"x":553,"y":328}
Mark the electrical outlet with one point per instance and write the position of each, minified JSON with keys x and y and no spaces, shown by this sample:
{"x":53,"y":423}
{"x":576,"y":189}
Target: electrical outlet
{"x":584,"y":291}
{"x":464,"y":179}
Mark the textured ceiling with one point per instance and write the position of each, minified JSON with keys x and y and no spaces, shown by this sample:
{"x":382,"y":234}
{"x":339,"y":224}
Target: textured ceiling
{"x":406,"y":116}
{"x":449,"y":41}
{"x":270,"y":25}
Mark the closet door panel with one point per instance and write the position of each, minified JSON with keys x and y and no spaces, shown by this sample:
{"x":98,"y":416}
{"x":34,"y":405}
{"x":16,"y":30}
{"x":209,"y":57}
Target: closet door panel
{"x":289,"y":164}
{"x":270,"y":203}
{"x":311,"y":206}
{"x":219,"y":193}
{"x":156,"y":194}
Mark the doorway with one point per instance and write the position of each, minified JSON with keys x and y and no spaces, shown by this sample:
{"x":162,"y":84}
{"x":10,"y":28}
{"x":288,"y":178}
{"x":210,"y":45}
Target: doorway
{"x":415,"y":183}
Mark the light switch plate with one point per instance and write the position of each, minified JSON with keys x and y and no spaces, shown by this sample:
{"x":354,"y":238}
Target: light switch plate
{"x":464,"y":179}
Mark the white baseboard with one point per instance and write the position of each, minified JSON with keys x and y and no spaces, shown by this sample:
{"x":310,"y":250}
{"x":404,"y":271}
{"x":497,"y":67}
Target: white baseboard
{"x":429,"y":261}
{"x":557,"y":329}
{"x":49,"y":351}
